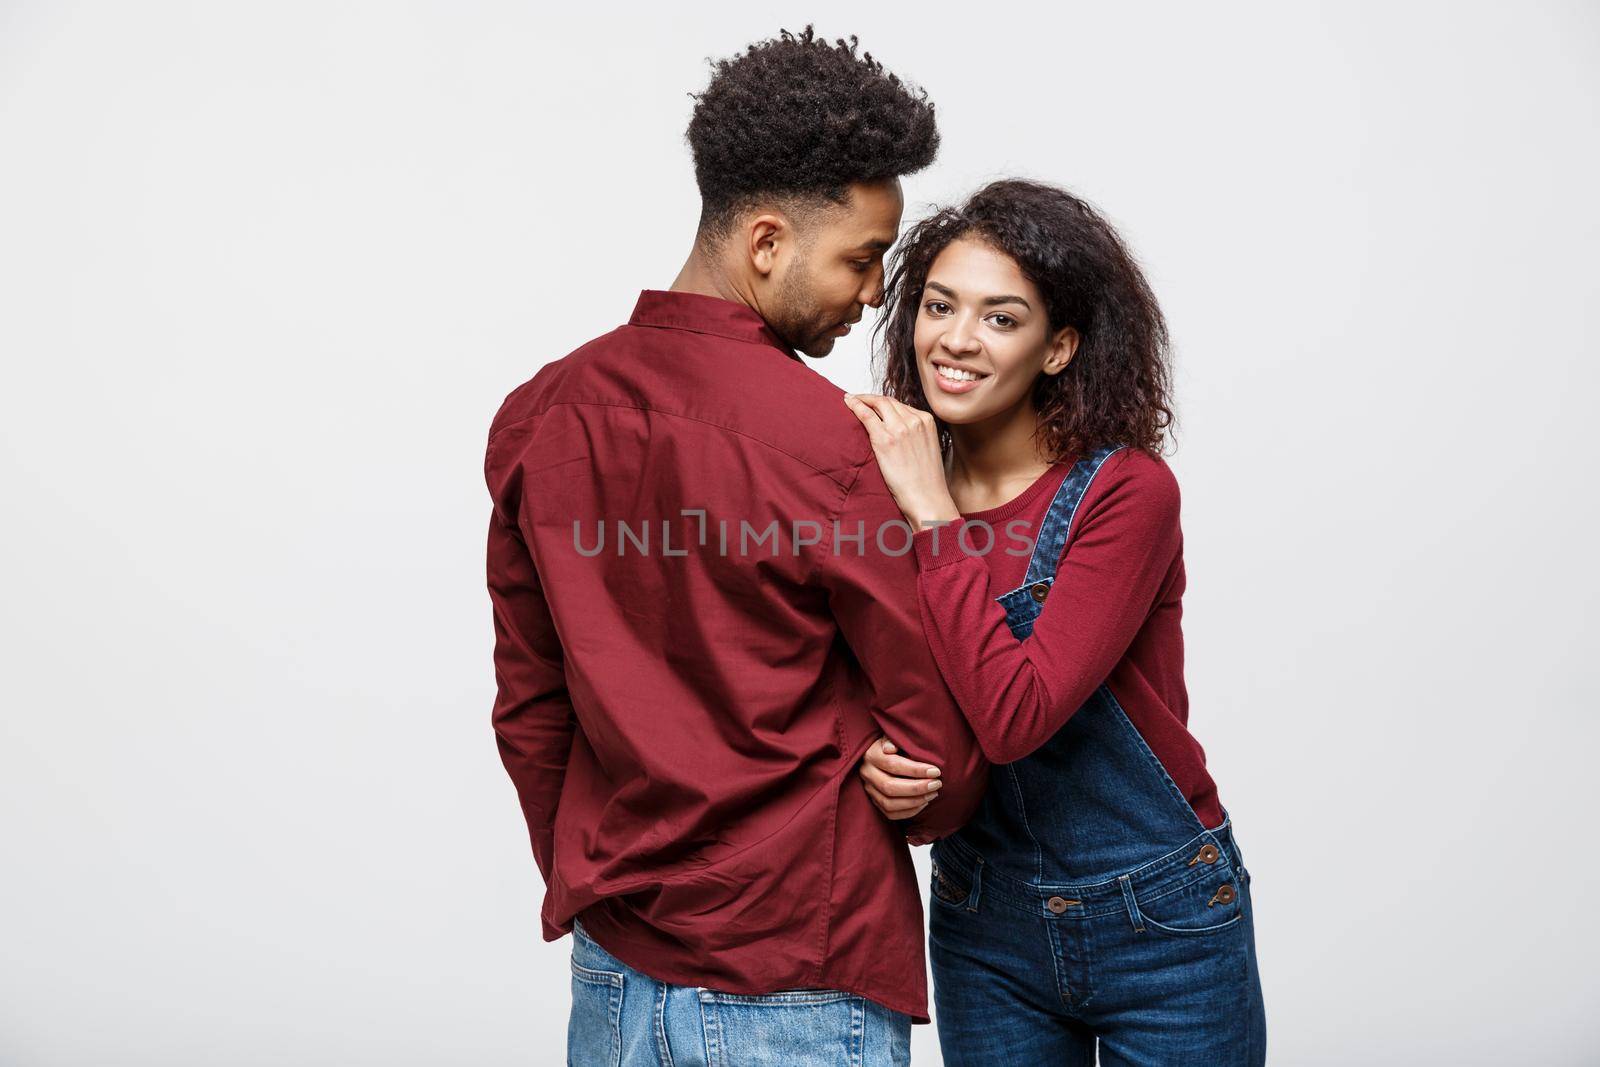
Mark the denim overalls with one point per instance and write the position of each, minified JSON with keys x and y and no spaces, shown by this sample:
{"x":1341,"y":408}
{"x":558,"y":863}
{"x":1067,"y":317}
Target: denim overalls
{"x":1085,"y":902}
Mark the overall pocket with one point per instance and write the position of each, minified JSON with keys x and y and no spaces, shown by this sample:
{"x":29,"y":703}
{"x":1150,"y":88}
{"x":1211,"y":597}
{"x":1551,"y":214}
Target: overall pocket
{"x":949,"y":886}
{"x":1202,"y":908}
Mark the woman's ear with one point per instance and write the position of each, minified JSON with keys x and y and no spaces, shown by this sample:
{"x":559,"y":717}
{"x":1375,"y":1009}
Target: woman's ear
{"x":1063,"y":346}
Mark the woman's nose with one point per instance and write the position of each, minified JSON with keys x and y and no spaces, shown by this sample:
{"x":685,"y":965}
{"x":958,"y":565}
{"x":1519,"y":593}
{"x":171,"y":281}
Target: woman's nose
{"x":960,"y":338}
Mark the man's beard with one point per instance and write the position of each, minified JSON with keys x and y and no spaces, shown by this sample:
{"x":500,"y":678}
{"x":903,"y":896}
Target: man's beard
{"x":802,"y":326}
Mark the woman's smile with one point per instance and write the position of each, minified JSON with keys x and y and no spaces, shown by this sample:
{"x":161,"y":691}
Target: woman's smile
{"x":956,"y":379}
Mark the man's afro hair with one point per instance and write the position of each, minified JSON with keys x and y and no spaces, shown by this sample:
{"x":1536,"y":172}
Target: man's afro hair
{"x":797,"y":116}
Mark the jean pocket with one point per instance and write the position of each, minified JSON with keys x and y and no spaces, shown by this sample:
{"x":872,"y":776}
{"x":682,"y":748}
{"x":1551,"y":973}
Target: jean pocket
{"x":799,"y":1026}
{"x":594,"y":1029}
{"x":1203,"y":908}
{"x":949,"y":886}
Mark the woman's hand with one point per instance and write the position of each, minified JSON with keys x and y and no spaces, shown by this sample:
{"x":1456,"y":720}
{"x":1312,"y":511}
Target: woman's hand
{"x":906,"y":442}
{"x":900,"y":787}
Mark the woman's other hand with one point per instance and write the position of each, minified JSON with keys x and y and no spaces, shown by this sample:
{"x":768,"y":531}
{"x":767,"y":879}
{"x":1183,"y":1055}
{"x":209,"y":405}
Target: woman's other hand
{"x":906,"y":441}
{"x":900,"y":787}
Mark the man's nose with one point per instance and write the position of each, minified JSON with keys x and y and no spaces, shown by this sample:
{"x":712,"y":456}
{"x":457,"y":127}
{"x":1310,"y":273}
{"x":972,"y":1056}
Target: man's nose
{"x":872,"y":295}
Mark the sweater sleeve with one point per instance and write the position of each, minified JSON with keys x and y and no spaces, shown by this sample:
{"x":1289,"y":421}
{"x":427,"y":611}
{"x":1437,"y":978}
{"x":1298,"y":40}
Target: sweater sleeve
{"x":1122,"y":553}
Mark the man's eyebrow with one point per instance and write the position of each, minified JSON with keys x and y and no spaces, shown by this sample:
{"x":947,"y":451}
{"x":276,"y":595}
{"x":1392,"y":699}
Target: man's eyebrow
{"x":990,"y":301}
{"x":876,"y":245}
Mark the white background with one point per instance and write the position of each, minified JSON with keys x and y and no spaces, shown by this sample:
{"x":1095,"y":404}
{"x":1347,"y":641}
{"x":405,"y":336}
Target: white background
{"x":267,"y":270}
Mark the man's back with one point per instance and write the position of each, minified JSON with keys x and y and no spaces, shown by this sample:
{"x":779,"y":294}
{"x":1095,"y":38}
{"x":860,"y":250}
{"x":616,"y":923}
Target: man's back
{"x":704,"y":614}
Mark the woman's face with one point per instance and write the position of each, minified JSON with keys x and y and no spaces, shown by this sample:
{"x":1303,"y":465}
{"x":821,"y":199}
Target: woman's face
{"x":982,"y":335}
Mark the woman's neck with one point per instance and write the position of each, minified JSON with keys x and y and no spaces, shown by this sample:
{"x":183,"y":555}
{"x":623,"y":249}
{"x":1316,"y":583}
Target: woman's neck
{"x":992,"y":461}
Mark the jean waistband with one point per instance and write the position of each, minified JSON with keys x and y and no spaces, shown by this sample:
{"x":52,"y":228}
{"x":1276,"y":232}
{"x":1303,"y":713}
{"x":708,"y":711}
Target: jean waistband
{"x":1164,"y":874}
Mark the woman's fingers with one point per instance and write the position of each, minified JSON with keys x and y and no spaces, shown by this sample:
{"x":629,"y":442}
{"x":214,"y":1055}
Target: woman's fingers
{"x":887,"y":408}
{"x":872,"y":401}
{"x":862,"y":411}
{"x":868,"y":417}
{"x":896,"y":807}
{"x":896,"y":797}
{"x":881,"y":756}
{"x":891,"y":785}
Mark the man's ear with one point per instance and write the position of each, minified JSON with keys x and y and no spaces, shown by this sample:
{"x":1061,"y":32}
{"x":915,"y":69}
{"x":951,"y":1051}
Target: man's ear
{"x":765,"y":236}
{"x":1063,"y":346}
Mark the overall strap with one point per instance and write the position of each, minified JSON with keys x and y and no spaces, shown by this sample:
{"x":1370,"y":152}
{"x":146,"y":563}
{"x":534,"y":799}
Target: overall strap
{"x":1057,"y":522}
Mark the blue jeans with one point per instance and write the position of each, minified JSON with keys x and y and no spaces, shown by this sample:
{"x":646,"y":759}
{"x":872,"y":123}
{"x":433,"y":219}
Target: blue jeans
{"x":1152,"y":967}
{"x":621,"y":1018}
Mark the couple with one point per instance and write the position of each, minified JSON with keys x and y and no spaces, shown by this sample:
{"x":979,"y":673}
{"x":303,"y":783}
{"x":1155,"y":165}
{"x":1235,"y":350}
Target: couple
{"x":754,"y":636}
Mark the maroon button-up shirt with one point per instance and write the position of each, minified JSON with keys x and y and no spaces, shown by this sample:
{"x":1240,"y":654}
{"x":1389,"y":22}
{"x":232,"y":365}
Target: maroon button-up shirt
{"x":705,"y":608}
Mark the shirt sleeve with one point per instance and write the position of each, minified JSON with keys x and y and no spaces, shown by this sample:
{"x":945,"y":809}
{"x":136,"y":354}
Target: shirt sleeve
{"x":1120,"y":558}
{"x":533,"y":717}
{"x":873,"y":596}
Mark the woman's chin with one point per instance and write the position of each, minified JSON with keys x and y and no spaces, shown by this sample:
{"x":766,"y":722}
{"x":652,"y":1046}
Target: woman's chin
{"x":952,"y":408}
{"x":953,"y":414}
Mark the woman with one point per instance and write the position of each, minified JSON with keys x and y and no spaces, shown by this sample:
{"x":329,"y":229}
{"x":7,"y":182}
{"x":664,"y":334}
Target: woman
{"x":1097,"y":901}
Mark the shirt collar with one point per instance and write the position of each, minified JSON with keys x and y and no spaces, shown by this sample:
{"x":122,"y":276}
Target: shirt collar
{"x":706,"y":314}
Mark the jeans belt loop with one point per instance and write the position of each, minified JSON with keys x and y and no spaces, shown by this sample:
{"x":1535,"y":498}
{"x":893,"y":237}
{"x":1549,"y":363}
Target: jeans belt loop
{"x":1126,"y":882}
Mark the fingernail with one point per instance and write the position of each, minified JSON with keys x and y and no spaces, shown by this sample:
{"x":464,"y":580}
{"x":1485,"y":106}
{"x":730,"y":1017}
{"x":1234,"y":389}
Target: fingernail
{"x":933,"y":772}
{"x":888,"y":746}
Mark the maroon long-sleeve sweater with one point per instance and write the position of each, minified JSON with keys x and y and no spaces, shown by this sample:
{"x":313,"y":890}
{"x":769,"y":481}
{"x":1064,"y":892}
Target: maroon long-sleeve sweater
{"x":1114,"y":616}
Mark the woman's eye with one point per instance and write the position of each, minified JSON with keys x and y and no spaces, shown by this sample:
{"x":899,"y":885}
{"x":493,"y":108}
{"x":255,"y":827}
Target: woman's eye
{"x":1005,"y":322}
{"x":937,"y":307}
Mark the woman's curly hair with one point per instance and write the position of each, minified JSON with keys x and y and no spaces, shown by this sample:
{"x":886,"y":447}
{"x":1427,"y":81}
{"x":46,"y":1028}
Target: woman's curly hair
{"x":798,"y":116}
{"x":1117,"y":389}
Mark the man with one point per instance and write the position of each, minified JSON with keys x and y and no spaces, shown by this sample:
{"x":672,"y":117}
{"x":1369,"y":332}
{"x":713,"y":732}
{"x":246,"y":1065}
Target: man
{"x":705,"y":611}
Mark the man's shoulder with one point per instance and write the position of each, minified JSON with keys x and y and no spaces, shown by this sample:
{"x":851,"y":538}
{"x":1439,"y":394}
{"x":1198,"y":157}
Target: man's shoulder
{"x":791,"y":407}
{"x":718,"y":384}
{"x":533,"y":396}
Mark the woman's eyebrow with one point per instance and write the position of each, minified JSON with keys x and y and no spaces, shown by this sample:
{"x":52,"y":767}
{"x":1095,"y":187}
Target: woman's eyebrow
{"x":988,"y":301}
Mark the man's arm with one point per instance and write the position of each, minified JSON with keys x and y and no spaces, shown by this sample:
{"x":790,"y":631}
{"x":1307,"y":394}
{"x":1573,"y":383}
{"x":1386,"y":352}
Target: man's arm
{"x":873,"y":595}
{"x":533,"y":717}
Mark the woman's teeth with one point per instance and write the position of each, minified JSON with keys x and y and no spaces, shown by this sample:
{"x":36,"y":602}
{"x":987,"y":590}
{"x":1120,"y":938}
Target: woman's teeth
{"x":956,"y":375}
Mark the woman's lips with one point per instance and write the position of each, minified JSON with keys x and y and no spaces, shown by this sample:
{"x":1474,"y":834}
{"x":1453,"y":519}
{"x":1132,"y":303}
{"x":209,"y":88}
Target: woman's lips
{"x":946,"y":385}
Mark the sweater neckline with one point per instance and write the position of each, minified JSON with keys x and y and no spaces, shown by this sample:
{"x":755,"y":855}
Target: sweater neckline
{"x":1023,"y":500}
